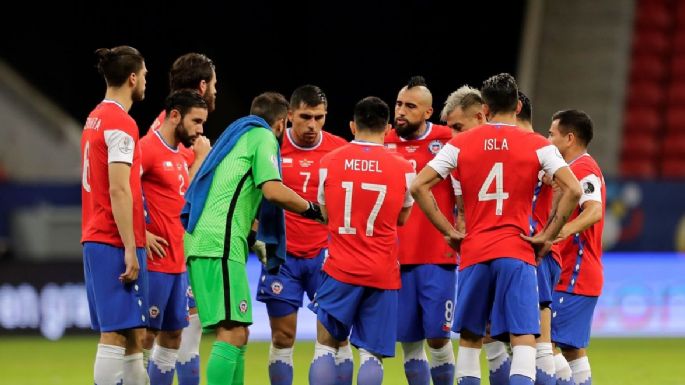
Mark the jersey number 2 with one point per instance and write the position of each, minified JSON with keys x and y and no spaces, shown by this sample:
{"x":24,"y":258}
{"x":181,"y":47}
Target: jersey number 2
{"x":347,"y":219}
{"x":496,"y":173}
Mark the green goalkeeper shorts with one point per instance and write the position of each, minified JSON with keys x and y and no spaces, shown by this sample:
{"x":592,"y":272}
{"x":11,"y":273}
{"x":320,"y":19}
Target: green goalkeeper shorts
{"x":221,"y":291}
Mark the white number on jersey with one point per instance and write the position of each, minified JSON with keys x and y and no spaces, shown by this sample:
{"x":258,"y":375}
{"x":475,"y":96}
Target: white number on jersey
{"x":347,"y":214}
{"x":496,"y":173}
{"x":86,"y":166}
{"x":182,"y":182}
{"x":306,"y":176}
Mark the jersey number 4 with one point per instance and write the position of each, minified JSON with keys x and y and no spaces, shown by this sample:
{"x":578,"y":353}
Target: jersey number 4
{"x":347,"y":219}
{"x":496,"y":174}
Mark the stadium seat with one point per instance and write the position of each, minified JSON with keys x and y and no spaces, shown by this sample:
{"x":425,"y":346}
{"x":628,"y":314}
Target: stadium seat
{"x":678,"y":67}
{"x":642,"y":119}
{"x":676,"y":94}
{"x":653,"y":14}
{"x":650,"y":41}
{"x":673,"y":168}
{"x":674,"y":145}
{"x":675,"y":119}
{"x":638,"y":168}
{"x":648,"y":67}
{"x":640,"y":145}
{"x":680,"y":14}
{"x":679,"y":40}
{"x":645,"y":93}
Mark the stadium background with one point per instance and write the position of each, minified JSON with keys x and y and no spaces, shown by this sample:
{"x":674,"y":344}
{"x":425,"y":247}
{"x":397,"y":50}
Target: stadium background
{"x":622,"y":61}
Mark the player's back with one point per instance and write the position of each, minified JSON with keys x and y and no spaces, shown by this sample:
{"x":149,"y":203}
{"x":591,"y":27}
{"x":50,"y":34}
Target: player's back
{"x":498,"y":166}
{"x":364,"y":188}
{"x":300,"y":170}
{"x":110,"y":135}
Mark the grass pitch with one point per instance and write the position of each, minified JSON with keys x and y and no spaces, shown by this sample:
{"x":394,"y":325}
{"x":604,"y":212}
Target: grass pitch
{"x":69,"y":361}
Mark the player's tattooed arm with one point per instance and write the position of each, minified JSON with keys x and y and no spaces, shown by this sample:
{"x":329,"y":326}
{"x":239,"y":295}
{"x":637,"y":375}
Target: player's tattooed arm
{"x":591,"y":213}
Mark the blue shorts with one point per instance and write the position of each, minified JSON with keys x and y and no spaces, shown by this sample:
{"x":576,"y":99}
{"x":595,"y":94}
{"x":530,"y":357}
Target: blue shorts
{"x":425,"y":305}
{"x":572,"y":319}
{"x":283,"y":292}
{"x":370,"y":313}
{"x":189,"y":291}
{"x":168,"y":300}
{"x":503,"y":291}
{"x":548,"y":275}
{"x":114,"y":305}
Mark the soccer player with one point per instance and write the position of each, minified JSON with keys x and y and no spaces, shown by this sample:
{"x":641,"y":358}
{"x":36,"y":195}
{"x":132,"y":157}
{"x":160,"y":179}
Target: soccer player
{"x":165,"y":180}
{"x":113,"y":224}
{"x":426,"y":299}
{"x":463,"y":109}
{"x":580,"y":242}
{"x":307,"y":241}
{"x":197,"y":72}
{"x":548,"y":267}
{"x":498,"y":165}
{"x":221,"y":204}
{"x":365,"y":191}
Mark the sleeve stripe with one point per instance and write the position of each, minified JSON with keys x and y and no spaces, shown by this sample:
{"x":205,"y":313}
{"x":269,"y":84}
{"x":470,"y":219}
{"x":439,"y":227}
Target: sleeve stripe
{"x":445,"y":161}
{"x":408,"y":199}
{"x":120,"y":146}
{"x":323,"y":173}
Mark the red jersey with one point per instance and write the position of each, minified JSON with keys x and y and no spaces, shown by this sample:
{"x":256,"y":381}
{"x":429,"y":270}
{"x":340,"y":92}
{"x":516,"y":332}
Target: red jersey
{"x":300,"y":169}
{"x":498,"y":167}
{"x":110,"y":135}
{"x":364,"y":188}
{"x":187,"y":153}
{"x":418,"y":231}
{"x":542,"y":207}
{"x":165,"y":180}
{"x":581,"y":253}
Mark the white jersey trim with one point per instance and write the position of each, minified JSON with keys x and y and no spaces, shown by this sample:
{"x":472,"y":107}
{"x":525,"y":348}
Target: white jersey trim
{"x":550,"y":159}
{"x":456,"y":186}
{"x":445,"y":161}
{"x":408,"y":199}
{"x":323,"y":173}
{"x":120,"y":146}
{"x":592,"y":189}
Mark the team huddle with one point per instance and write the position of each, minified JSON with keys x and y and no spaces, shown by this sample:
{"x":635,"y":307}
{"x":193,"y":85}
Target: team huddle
{"x":517,"y":217}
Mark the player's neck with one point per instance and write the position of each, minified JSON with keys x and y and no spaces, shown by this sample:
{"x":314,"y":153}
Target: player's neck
{"x":504,"y":118}
{"x":121,"y":96}
{"x":574,"y":153}
{"x":168,"y":133}
{"x":371,"y":137}
{"x":526,"y":126}
{"x":420,"y":132}
{"x":301,"y":143}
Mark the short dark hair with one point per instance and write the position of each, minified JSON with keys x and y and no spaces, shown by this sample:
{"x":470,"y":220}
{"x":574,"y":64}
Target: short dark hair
{"x":183,"y":101}
{"x":372,"y":114}
{"x":189,"y":70}
{"x":270,"y":106}
{"x":575,"y":121}
{"x":118,"y":63}
{"x":500,"y":93}
{"x":526,"y":113}
{"x":308,"y":94}
{"x":417,"y":81}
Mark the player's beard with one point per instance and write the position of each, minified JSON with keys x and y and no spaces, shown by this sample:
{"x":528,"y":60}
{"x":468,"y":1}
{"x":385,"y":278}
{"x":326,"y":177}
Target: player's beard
{"x":210,"y":100}
{"x":138,"y":95}
{"x":407,"y":130}
{"x":183,"y":137}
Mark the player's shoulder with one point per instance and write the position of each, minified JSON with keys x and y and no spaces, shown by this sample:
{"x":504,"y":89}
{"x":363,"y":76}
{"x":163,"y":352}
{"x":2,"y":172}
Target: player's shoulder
{"x":157,"y":123}
{"x":400,"y":162}
{"x":333,"y":140}
{"x":586,"y":165}
{"x":392,"y":136}
{"x":440,"y":132}
{"x":336,"y":153}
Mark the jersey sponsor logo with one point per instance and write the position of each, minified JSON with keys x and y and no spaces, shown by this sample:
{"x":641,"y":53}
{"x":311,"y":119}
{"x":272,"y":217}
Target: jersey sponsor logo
{"x":287,"y":162}
{"x":126,"y":145}
{"x":435,"y":146}
{"x":276,"y":287}
{"x":243,"y":306}
{"x":411,"y":149}
{"x":306,"y":162}
{"x":391,"y":146}
{"x":154,"y":311}
{"x":588,"y":187}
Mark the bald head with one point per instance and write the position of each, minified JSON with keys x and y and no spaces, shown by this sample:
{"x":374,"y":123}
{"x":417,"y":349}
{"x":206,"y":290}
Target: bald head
{"x":413,"y":108}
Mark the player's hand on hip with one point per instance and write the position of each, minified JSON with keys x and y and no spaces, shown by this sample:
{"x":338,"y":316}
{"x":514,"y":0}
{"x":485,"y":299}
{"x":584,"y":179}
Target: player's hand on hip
{"x":154,"y":244}
{"x":540,"y":244}
{"x":132,"y":266}
{"x":454,"y":239}
{"x":201,"y":146}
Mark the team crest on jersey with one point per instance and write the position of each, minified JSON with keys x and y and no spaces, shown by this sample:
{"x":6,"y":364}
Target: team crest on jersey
{"x":276,"y":287}
{"x":126,"y":145}
{"x":243,"y":306}
{"x":154,"y":311}
{"x":306,"y":162}
{"x":411,"y":149}
{"x":588,"y":188}
{"x":435,"y":146}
